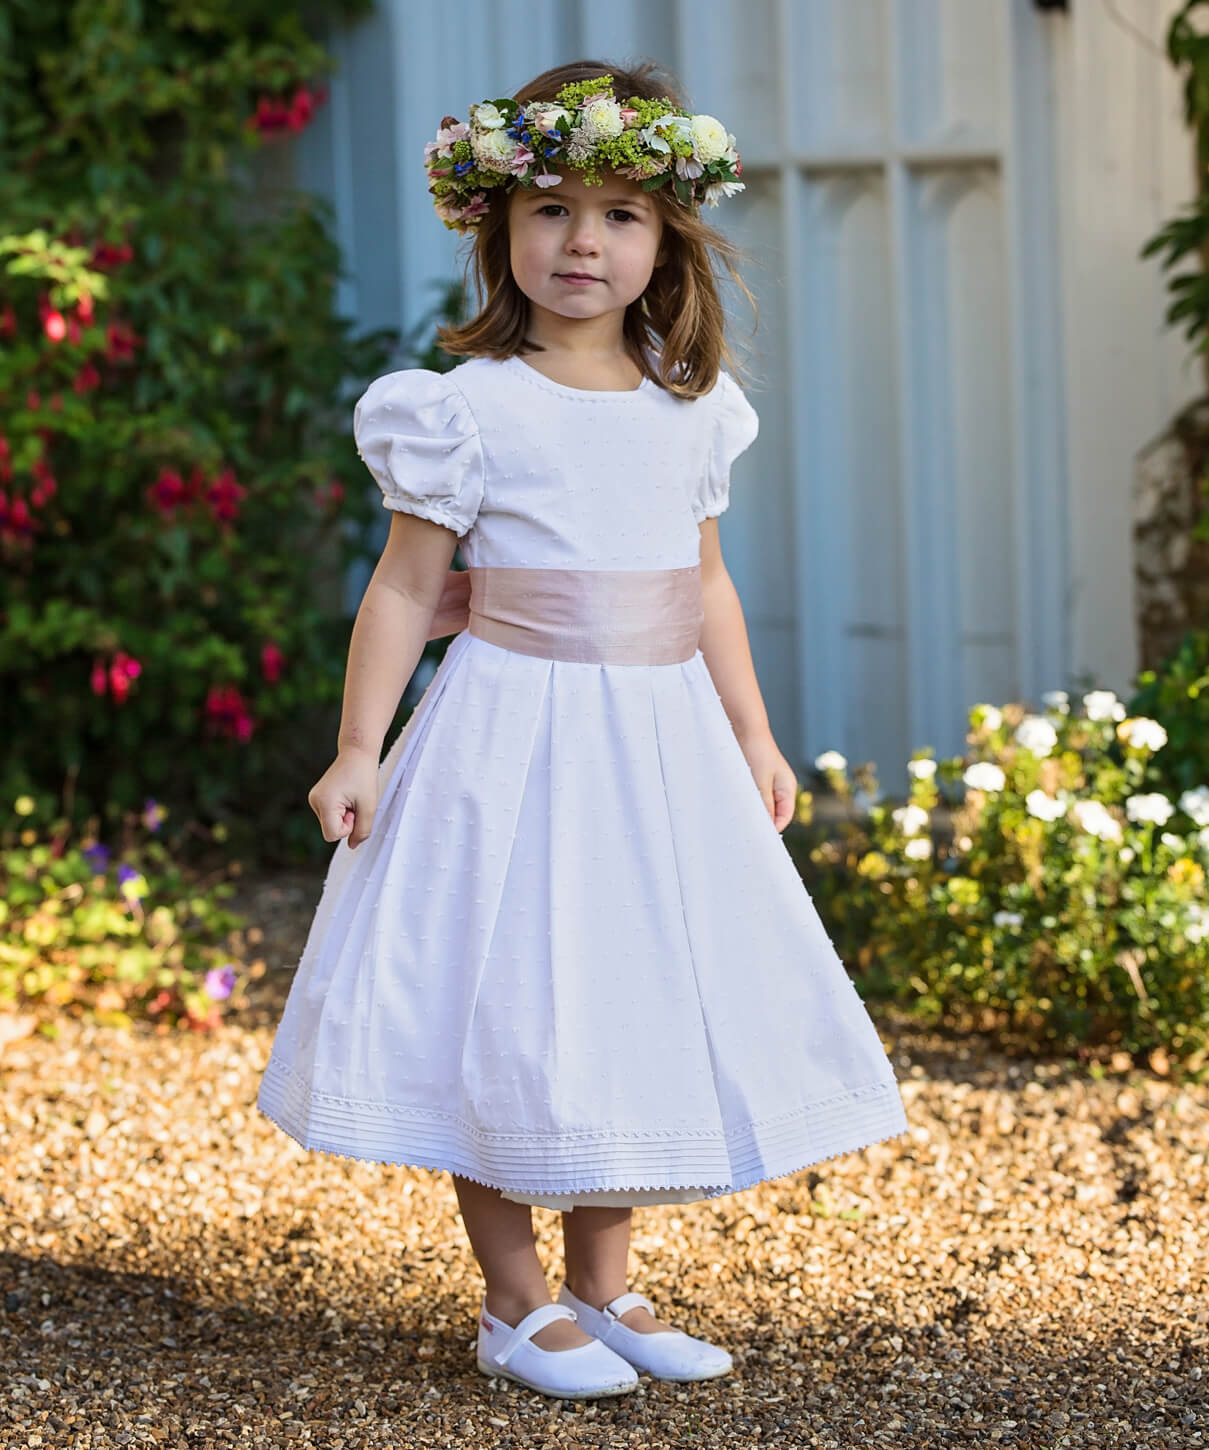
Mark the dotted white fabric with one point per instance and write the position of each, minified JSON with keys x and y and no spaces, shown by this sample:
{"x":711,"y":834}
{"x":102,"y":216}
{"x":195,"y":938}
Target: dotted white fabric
{"x":574,"y":960}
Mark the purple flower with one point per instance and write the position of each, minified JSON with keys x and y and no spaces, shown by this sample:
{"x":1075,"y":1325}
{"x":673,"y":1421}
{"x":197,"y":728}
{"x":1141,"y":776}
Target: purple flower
{"x":97,"y":857}
{"x":153,"y":814}
{"x":220,"y":981}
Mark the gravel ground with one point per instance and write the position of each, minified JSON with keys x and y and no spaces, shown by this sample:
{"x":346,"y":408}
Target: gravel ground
{"x":1027,"y":1268}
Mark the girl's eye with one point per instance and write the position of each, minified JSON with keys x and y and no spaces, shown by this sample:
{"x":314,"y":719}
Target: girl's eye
{"x":552,"y":206}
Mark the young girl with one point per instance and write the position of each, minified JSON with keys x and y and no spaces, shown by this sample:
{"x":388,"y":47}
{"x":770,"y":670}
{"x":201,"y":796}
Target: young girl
{"x":562,"y":951}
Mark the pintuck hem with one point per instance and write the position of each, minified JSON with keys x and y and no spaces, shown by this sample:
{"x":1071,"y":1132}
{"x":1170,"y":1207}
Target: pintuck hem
{"x":709,"y":1162}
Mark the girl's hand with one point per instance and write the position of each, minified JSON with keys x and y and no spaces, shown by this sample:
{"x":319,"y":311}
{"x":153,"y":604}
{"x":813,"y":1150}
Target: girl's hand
{"x":346,"y":796}
{"x":777,"y":782}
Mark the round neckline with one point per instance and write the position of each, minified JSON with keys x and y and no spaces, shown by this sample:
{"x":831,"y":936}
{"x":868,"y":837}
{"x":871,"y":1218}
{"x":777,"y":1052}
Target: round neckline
{"x":542,"y":381}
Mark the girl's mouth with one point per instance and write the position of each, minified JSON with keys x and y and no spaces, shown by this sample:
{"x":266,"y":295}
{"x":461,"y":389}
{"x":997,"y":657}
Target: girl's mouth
{"x":579,"y":279}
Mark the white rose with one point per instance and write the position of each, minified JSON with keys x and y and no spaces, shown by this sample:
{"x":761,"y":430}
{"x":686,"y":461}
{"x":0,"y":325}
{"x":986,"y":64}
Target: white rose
{"x":1198,"y":923}
{"x":1155,"y":808}
{"x":1037,"y":735}
{"x":984,"y":775}
{"x":1143,"y":733}
{"x":709,"y":139}
{"x":1044,"y":807}
{"x":1195,"y":803}
{"x":487,"y":117}
{"x":1093,"y":817}
{"x":921,"y":769}
{"x":493,"y":150}
{"x":1103,"y":705}
{"x":910,"y":820}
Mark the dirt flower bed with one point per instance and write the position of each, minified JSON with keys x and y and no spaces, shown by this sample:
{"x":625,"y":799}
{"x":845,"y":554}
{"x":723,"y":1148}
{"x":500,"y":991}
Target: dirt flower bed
{"x":1029,"y":1267}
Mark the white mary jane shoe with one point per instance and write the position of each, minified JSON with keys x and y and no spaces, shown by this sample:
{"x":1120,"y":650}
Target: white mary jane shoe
{"x":586,"y":1372}
{"x":667,"y":1354}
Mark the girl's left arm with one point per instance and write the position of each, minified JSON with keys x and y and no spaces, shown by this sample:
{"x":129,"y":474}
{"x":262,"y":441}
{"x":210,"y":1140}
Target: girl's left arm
{"x":727,"y":654}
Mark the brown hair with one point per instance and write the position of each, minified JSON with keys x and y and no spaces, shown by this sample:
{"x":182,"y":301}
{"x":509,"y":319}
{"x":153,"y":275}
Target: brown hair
{"x":680,"y":315}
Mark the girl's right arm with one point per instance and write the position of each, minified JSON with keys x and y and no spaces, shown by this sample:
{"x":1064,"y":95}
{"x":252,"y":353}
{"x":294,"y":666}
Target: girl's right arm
{"x":392,"y":626}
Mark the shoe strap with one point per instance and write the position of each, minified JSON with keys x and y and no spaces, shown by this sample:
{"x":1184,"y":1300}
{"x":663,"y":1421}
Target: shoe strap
{"x":615,"y":1308}
{"x":533,"y":1321}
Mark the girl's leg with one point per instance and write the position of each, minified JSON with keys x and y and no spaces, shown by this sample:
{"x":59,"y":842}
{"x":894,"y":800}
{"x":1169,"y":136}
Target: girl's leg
{"x":501,"y":1235}
{"x":596,"y":1246}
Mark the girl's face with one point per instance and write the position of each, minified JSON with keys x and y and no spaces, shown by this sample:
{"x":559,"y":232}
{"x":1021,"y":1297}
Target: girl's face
{"x":608,"y":233}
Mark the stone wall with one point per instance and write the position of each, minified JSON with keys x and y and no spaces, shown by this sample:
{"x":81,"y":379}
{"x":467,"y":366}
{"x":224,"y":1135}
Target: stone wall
{"x":1171,"y":567}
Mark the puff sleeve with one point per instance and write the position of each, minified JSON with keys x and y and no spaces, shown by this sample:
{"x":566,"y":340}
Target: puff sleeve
{"x":734,"y":425}
{"x":416,"y":434}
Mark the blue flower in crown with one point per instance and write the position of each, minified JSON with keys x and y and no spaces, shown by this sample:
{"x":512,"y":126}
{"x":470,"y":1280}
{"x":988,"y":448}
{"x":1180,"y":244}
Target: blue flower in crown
{"x":584,"y":127}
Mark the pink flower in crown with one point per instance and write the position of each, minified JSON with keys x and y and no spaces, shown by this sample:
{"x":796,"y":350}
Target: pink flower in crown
{"x":476,"y":207}
{"x":629,"y":116}
{"x":548,"y":178}
{"x":522,"y":158}
{"x":449,"y":132}
{"x":687,"y":168}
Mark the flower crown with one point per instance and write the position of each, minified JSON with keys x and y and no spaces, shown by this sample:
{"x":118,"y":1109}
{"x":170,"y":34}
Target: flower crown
{"x":584,"y":127}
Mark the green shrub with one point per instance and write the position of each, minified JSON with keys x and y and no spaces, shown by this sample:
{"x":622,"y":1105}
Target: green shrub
{"x":180,"y":499}
{"x":1177,"y":693}
{"x":1064,"y":901}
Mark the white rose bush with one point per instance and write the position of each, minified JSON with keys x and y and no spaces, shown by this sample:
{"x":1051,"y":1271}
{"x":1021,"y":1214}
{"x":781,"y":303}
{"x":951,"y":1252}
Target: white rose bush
{"x":1047,"y":884}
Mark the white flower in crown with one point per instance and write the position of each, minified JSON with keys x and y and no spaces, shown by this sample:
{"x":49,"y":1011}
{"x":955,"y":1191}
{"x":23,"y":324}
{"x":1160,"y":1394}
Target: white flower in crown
{"x":710,"y":140}
{"x":657,"y":134}
{"x":487,"y":117}
{"x":494,"y":150}
{"x":1154,"y":808}
{"x":1037,"y":735}
{"x":1195,"y":803}
{"x":600,"y":119}
{"x":716,"y":190}
{"x":984,"y":775}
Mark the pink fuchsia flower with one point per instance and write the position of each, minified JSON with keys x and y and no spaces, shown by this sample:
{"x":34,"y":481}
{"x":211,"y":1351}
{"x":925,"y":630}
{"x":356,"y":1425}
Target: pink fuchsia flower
{"x":54,"y":324}
{"x":220,"y":981}
{"x":84,"y":308}
{"x":99,"y":679}
{"x":227,"y":713}
{"x":106,"y":255}
{"x":120,"y":342}
{"x":271,"y":661}
{"x":168,"y":492}
{"x":123,"y":668}
{"x":224,"y":495}
{"x":86,"y":379}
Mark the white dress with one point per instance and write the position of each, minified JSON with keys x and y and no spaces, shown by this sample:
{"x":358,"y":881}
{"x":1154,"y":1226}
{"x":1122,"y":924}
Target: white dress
{"x":574,"y":959}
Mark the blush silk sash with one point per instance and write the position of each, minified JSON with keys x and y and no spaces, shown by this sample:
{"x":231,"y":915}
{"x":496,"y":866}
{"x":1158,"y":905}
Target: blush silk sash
{"x":588,"y":616}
